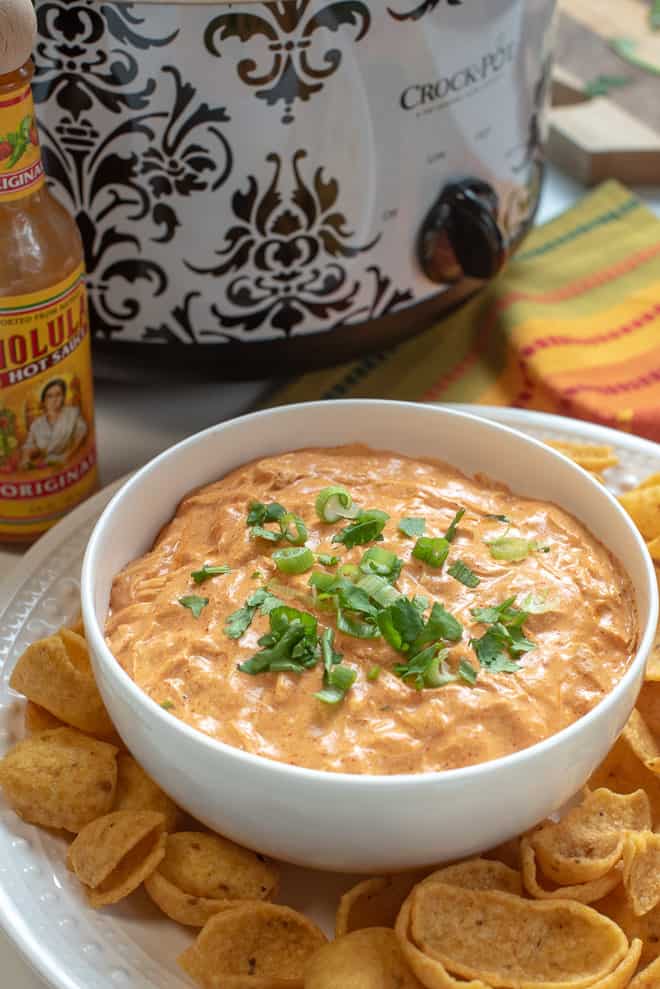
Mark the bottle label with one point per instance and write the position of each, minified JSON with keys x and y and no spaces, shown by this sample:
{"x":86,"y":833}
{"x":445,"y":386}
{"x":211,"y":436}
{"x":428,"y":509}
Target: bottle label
{"x":21,"y":169}
{"x":47,"y":444}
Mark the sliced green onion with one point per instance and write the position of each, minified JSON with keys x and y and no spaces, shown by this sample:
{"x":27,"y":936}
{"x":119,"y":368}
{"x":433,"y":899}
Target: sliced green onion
{"x":327,"y":560}
{"x":373,"y":673}
{"x":356,"y":626}
{"x":461,"y":572}
{"x":412,"y":527}
{"x":349,"y":570}
{"x":294,"y":559}
{"x":199,"y":576}
{"x":194,"y":603}
{"x":450,"y":534}
{"x":513,"y":549}
{"x":335,"y":503}
{"x":293,"y":529}
{"x":379,"y":590}
{"x":499,"y":518}
{"x":538,"y":604}
{"x":258,"y":532}
{"x":431,"y":551}
{"x":437,"y":673}
{"x":338,"y":682}
{"x":382,"y":562}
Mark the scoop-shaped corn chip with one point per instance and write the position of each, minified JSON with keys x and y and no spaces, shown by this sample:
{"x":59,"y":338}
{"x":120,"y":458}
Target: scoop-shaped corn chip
{"x":115,"y":853}
{"x":653,"y":668}
{"x":653,"y":547}
{"x":641,"y":870}
{"x":617,"y":907}
{"x":643,"y":506}
{"x":60,"y":778}
{"x":38,"y":719}
{"x":370,"y":958}
{"x":588,"y":841}
{"x":374,"y":902}
{"x":623,"y":772}
{"x":648,"y":706}
{"x":479,"y":874}
{"x":78,"y":627}
{"x":193,"y":911}
{"x":56,"y":674}
{"x":258,"y":940}
{"x":589,"y":892}
{"x":648,"y":978}
{"x":588,"y":455}
{"x":511,"y":942}
{"x":430,"y":972}
{"x":641,"y":740}
{"x":215,"y":868}
{"x":137,"y":791}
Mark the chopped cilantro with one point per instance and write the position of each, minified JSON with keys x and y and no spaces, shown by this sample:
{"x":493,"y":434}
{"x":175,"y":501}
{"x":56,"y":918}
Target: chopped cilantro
{"x":337,"y":679}
{"x":504,"y":641}
{"x":373,"y":673}
{"x":290,"y":646}
{"x":400,"y":624}
{"x":194,"y":603}
{"x":414,"y":528}
{"x":367,"y":528}
{"x":199,"y":576}
{"x":260,"y":514}
{"x":467,"y":672}
{"x":239,"y":621}
{"x":461,"y":571}
{"x":167,"y":705}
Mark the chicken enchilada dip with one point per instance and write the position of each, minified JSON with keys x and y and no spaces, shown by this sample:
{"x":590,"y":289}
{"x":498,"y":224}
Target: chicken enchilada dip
{"x":357,"y":611}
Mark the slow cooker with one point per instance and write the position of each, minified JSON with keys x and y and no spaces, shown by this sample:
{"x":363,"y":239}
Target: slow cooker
{"x":265,"y":187}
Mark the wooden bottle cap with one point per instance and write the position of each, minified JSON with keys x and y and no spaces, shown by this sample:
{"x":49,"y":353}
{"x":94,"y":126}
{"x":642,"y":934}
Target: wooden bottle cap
{"x":18,"y":30}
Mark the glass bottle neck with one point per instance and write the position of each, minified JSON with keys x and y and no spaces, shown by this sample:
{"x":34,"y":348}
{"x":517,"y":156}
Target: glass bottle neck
{"x":21,"y":168}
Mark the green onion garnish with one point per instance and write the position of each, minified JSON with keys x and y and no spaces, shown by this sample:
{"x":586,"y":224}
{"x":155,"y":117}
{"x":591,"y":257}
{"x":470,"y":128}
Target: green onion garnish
{"x":382,"y":562}
{"x":461,"y":572}
{"x":167,"y":705}
{"x":373,"y":673}
{"x":349,"y":570}
{"x":513,"y":549}
{"x":337,"y":679}
{"x":258,"y":532}
{"x":450,"y":534}
{"x":260,"y":514}
{"x":194,"y":603}
{"x":499,"y":518}
{"x":293,"y":529}
{"x":412,"y":527}
{"x":427,"y":668}
{"x":431,"y":551}
{"x":294,"y":559}
{"x":327,"y":560}
{"x":199,"y":576}
{"x":379,"y":590}
{"x":257,"y":575}
{"x":367,"y":528}
{"x":335,"y":503}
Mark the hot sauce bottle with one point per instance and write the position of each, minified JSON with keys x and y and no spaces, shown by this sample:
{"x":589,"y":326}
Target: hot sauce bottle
{"x":47,"y":443}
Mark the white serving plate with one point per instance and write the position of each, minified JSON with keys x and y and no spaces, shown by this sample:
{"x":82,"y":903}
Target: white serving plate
{"x":41,"y":905}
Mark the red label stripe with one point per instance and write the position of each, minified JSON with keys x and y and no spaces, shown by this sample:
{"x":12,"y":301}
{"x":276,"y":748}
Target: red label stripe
{"x":15,"y":100}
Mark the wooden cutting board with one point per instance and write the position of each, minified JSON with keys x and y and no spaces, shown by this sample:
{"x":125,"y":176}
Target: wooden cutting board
{"x":617,"y":136}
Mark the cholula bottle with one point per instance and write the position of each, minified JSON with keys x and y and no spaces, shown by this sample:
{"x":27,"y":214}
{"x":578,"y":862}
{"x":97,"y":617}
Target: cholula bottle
{"x":47,"y":444}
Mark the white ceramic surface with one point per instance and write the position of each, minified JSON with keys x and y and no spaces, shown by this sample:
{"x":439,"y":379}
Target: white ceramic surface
{"x":336,"y":821}
{"x":41,"y":907}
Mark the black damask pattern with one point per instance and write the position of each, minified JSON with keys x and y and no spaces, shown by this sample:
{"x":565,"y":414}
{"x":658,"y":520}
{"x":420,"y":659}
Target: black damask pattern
{"x":420,"y":10}
{"x":297,"y":70}
{"x":293,"y":249}
{"x":112,"y":189}
{"x":75,"y":63}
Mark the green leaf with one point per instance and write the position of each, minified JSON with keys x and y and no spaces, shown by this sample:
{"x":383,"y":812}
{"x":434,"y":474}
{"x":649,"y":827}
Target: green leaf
{"x":355,"y":626}
{"x":367,"y":528}
{"x":330,"y":656}
{"x":414,"y":528}
{"x":373,"y":674}
{"x":292,"y":645}
{"x":239,"y":621}
{"x":440,"y":625}
{"x":199,"y":576}
{"x":491,"y":651}
{"x":450,"y":534}
{"x":626,"y":48}
{"x":260,"y":514}
{"x":461,"y":572}
{"x":604,"y":84}
{"x":194,"y":603}
{"x":426,"y":668}
{"x":401,"y":624}
{"x":496,"y":613}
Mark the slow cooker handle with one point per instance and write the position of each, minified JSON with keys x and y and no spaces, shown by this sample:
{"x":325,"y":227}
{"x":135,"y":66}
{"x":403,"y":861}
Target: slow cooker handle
{"x":460,"y":237}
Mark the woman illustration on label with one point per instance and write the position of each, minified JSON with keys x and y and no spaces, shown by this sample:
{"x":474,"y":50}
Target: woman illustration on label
{"x":55,"y":435}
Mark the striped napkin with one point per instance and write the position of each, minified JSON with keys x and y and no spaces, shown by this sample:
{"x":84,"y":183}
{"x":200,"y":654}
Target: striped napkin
{"x":571,"y":326}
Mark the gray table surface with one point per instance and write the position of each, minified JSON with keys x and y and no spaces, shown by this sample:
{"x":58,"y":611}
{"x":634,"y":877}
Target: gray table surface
{"x":134,"y":424}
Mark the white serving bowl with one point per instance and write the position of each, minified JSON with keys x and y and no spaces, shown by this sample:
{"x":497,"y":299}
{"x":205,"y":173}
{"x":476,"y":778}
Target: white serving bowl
{"x":338,"y":821}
